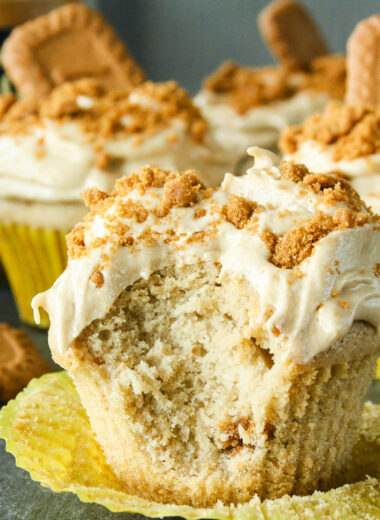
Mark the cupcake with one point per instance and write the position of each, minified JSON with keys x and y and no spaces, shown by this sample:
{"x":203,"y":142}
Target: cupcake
{"x":251,"y":106}
{"x":346,"y":137}
{"x":216,"y":337}
{"x":82,"y":135}
{"x":246,"y":106}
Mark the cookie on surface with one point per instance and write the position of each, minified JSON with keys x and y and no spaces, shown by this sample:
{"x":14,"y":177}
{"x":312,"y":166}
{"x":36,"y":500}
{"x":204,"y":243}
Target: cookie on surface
{"x":19,"y":361}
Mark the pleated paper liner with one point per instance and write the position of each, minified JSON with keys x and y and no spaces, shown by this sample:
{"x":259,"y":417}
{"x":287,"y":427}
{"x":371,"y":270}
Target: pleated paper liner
{"x":33,"y":258}
{"x":48,"y":432}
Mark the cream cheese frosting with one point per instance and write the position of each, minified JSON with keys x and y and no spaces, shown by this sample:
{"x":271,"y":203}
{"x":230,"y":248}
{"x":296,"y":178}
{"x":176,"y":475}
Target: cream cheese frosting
{"x":305,"y":300}
{"x":55,"y":151}
{"x":260,"y":125}
{"x":344,"y":138}
{"x":245,"y":106}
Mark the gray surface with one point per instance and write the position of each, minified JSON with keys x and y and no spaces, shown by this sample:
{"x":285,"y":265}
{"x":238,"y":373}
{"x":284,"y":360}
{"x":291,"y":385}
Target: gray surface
{"x":186,"y":39}
{"x":23,"y":499}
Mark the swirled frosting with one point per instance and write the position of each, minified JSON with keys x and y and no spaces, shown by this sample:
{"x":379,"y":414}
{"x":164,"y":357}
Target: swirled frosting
{"x":252,"y":106}
{"x":83,"y":136}
{"x":305,"y":243}
{"x":344,"y":138}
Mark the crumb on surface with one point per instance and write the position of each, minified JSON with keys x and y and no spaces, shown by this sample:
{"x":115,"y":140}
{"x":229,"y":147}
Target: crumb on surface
{"x":239,"y":210}
{"x":92,"y":196}
{"x":182,"y":189}
{"x":121,"y":210}
{"x":97,"y":279}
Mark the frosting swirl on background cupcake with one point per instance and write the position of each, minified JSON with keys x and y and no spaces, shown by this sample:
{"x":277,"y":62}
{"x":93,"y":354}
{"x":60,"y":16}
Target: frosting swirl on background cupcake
{"x":246,"y":106}
{"x":82,"y":136}
{"x":345,"y":138}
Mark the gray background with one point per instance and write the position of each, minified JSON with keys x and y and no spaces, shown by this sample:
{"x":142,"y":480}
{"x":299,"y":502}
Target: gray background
{"x":187,"y":39}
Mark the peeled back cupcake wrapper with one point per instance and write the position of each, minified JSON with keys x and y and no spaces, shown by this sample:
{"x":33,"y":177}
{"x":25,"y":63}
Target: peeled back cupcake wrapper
{"x":33,"y":258}
{"x":48,"y":432}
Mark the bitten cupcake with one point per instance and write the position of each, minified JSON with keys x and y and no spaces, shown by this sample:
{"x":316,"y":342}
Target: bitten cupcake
{"x":346,"y":137}
{"x":82,"y":135}
{"x":216,"y":337}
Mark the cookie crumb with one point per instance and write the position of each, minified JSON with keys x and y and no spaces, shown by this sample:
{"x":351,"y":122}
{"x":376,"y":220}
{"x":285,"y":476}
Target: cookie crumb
{"x":182,"y":189}
{"x":239,"y":211}
{"x":97,"y":279}
{"x":92,"y":196}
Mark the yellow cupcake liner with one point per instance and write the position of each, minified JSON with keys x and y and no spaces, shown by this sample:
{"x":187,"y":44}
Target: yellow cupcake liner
{"x":378,"y":369}
{"x":48,"y":432}
{"x":33,"y":258}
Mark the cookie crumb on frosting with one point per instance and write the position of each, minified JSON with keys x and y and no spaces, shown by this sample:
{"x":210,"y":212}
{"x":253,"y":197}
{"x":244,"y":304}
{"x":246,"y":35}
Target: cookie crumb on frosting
{"x":92,"y":196}
{"x":182,"y":189}
{"x":245,"y":88}
{"x":171,"y":192}
{"x":352,"y":130}
{"x":97,"y":279}
{"x":139,"y":112}
{"x":239,"y":210}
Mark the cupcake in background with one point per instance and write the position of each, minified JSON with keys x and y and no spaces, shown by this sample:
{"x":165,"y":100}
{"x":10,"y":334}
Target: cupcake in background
{"x":58,"y":140}
{"x":251,"y":106}
{"x":346,"y":137}
{"x":82,"y":136}
{"x":34,"y":167}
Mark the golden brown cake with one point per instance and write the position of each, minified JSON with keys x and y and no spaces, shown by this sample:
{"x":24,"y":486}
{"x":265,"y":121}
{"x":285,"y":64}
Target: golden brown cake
{"x":217,"y":337}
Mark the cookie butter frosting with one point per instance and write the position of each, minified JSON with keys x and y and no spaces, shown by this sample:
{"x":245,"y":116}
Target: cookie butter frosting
{"x":82,"y":136}
{"x":345,"y":138}
{"x":305,"y":243}
{"x":252,"y":106}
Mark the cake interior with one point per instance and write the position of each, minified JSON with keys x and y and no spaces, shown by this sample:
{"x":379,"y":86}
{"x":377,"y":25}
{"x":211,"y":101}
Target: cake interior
{"x":178,"y":350}
{"x":191,"y":406}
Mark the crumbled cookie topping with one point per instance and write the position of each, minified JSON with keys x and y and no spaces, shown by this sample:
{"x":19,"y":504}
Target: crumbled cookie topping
{"x":164,"y":198}
{"x":239,"y":211}
{"x":97,"y":279}
{"x":332,"y":186}
{"x":102,"y":114}
{"x":297,"y":244}
{"x":352,"y":130}
{"x":327,"y":74}
{"x":178,"y":190}
{"x":245,"y":88}
{"x":182,"y":189}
